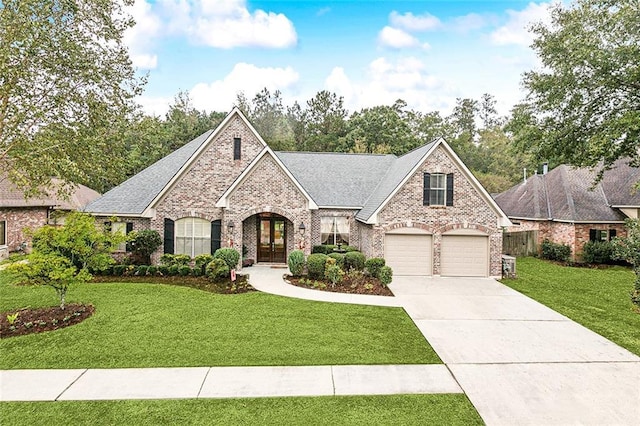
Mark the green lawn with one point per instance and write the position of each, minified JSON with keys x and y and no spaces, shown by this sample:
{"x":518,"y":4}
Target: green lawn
{"x":451,"y":409}
{"x":153,"y":325}
{"x":596,"y":298}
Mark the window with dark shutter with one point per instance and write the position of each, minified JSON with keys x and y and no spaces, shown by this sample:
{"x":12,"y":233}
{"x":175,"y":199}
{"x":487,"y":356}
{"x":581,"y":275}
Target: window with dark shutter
{"x":169,"y":232}
{"x":612,"y":234}
{"x":216,"y":235}
{"x":450,"y":189}
{"x":592,"y":235}
{"x":237,"y":148}
{"x":426,"y":189}
{"x":129,"y":228}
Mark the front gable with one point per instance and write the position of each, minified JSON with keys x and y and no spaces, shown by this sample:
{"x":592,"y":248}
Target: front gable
{"x":471,"y":203}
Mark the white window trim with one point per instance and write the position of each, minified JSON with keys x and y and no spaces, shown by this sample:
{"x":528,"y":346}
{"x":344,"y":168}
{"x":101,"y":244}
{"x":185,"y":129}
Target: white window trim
{"x":442,"y":188}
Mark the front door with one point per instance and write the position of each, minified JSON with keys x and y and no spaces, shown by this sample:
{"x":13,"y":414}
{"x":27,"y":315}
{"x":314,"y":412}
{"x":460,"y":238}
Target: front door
{"x":271,"y":239}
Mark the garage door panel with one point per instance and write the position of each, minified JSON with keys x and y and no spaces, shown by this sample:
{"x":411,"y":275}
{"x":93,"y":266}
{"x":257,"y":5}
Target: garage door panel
{"x":408,"y":254}
{"x":464,"y":256}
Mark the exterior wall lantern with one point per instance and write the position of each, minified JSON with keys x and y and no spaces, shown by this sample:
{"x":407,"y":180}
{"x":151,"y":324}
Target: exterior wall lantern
{"x":302,"y":228}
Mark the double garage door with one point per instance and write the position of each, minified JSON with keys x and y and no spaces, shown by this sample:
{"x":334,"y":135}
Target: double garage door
{"x":460,"y":255}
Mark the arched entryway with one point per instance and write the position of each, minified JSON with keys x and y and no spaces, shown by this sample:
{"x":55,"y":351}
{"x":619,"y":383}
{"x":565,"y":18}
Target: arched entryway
{"x":272,"y":238}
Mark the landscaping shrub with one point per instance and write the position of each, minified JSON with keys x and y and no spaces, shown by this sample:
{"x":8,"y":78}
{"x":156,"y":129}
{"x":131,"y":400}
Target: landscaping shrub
{"x":152,"y":270}
{"x":339,"y":257}
{"x":373,"y":266}
{"x":385,"y":275}
{"x":163,"y":270}
{"x":184,"y":270}
{"x":173,"y":270}
{"x":354,"y":260}
{"x":296,"y":262}
{"x":554,"y":251}
{"x":142,"y":270}
{"x":599,"y":252}
{"x":315,"y":265}
{"x":202,"y":260}
{"x":229,"y":255}
{"x":349,"y":248}
{"x":142,"y":244}
{"x":197,"y":272}
{"x":181,"y":259}
{"x":323,"y":249}
{"x":167,"y":259}
{"x":118,"y":270}
{"x":332,"y":271}
{"x":217,"y":269}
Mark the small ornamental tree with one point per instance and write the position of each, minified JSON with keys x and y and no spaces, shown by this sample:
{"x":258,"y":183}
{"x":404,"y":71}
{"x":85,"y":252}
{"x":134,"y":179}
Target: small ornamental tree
{"x":628,"y":249}
{"x":143,"y":243}
{"x":63,"y":256}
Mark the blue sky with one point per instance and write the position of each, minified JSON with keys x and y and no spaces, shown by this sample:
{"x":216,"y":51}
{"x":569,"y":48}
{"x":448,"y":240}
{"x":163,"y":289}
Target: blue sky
{"x":370,"y":52}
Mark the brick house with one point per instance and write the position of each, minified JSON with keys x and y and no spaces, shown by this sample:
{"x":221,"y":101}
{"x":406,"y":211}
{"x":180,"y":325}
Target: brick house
{"x":424,"y":211}
{"x":18,"y":213}
{"x":565,"y":206}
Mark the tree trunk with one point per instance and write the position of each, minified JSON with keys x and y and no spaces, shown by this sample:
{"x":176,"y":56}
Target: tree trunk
{"x":62,"y":293}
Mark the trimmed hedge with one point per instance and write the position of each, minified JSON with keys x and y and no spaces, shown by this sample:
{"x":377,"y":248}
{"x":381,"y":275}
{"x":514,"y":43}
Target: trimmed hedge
{"x":354,"y":260}
{"x":339,"y":257}
{"x":554,"y":251}
{"x":316,"y":265}
{"x":229,"y":255}
{"x":385,"y":275}
{"x":373,"y":266}
{"x":217,"y":269}
{"x":598,"y":252}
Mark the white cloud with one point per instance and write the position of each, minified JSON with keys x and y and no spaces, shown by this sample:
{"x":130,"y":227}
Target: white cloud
{"x":516,"y":29}
{"x":139,"y":38}
{"x":227,"y":24}
{"x":411,"y":22}
{"x":387,"y":81}
{"x":396,"y":38}
{"x":468,"y":23}
{"x":220,"y":95}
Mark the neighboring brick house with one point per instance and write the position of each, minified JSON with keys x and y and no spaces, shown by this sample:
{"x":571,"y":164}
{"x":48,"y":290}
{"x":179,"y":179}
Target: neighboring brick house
{"x":424,"y":211}
{"x":565,"y":206}
{"x":18,"y":213}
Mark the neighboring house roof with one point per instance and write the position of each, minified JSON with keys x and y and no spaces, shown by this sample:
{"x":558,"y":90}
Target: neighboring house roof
{"x":11,"y":196}
{"x":568,"y":194}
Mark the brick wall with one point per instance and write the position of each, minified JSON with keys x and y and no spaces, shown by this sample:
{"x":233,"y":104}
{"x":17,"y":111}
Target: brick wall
{"x":582,"y":233}
{"x":19,"y":219}
{"x":470,"y":211}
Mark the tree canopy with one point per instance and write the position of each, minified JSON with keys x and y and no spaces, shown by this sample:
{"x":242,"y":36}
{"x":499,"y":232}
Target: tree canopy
{"x":67,"y":89}
{"x":583,"y":105}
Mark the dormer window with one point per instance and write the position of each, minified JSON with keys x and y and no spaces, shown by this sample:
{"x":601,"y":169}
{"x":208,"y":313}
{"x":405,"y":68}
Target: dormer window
{"x":237,"y":148}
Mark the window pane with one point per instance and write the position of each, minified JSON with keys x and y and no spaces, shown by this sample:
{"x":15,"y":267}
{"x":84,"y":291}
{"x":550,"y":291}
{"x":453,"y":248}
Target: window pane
{"x":183,"y":245}
{"x":326,"y":234}
{"x":342,"y":230}
{"x":437,"y":191}
{"x":3,"y":233}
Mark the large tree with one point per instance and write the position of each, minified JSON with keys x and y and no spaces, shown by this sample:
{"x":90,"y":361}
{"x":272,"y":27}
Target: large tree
{"x":67,"y":89}
{"x":583,"y":104}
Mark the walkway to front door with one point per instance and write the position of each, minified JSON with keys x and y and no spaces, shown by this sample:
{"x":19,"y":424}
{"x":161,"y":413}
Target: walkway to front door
{"x":272,"y":246}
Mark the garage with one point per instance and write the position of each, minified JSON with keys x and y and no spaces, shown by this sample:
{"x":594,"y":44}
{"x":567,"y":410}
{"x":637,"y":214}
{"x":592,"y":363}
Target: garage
{"x":464,"y":256}
{"x":408,"y":253}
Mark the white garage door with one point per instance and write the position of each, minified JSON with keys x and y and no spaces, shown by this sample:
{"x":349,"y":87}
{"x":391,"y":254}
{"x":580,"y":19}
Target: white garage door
{"x":408,"y":254}
{"x":464,"y":256}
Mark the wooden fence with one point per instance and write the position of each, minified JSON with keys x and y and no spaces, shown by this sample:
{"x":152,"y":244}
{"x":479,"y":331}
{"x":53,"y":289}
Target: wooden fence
{"x":521,"y":243}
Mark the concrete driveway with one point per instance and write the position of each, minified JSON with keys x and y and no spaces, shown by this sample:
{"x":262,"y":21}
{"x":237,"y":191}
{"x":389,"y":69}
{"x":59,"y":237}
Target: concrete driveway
{"x":518,"y":361}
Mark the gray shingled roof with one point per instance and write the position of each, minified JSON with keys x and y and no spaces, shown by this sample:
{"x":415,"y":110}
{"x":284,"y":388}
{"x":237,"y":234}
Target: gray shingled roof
{"x":568,"y":194}
{"x":79,"y":196}
{"x":135,"y":194}
{"x":337,"y":179}
{"x":395,"y":174}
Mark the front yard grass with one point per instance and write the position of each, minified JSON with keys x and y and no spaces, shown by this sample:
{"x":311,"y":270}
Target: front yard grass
{"x":448,"y":409}
{"x":154,"y":325}
{"x":596,"y":298}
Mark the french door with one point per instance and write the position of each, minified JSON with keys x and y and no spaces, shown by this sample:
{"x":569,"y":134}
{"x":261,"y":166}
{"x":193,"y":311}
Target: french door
{"x":272,"y":246}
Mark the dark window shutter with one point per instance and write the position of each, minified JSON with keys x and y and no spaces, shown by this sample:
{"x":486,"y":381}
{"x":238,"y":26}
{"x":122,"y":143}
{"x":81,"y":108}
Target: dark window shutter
{"x":237,"y":144}
{"x":216,"y":235}
{"x":426,"y":189}
{"x":169,"y":226}
{"x":107,"y":226}
{"x":592,"y":234}
{"x":450,"y":189}
{"x":129,"y":229}
{"x":612,"y":234}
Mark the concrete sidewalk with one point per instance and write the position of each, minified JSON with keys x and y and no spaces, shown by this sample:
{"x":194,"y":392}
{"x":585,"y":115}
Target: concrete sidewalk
{"x":518,"y":361}
{"x":224,"y":382}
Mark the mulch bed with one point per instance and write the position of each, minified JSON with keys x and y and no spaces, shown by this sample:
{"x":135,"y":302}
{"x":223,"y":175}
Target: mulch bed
{"x":241,"y":285}
{"x":31,"y":321}
{"x":351,"y":285}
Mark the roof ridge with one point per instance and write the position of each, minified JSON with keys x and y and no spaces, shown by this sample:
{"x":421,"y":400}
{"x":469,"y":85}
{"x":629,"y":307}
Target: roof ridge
{"x":362,"y":154}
